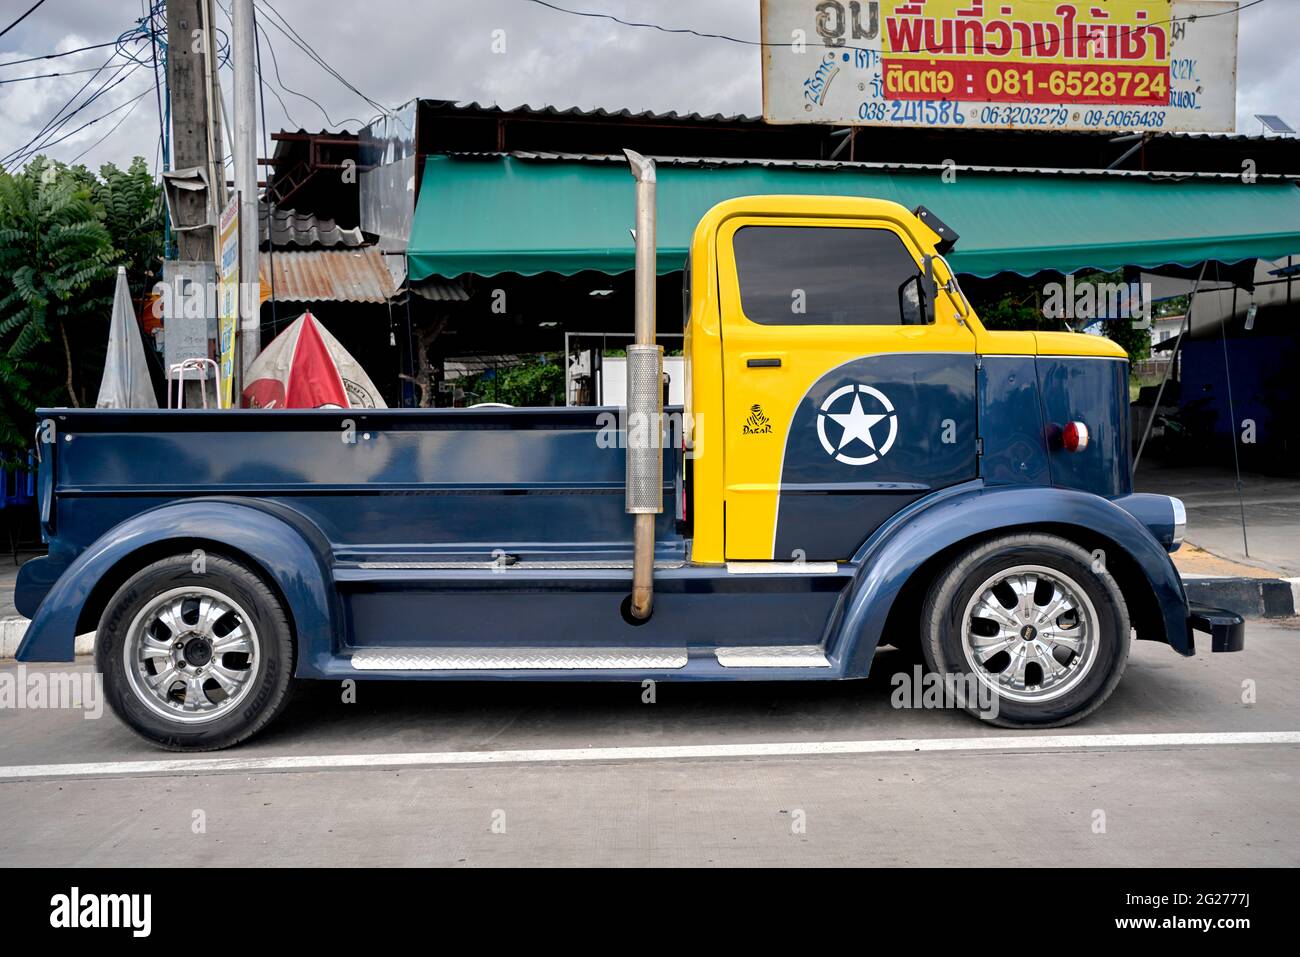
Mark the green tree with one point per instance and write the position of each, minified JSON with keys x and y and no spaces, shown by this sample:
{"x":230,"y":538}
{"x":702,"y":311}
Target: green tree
{"x":55,"y":255}
{"x":63,"y":232}
{"x":538,"y":381}
{"x":131,"y":206}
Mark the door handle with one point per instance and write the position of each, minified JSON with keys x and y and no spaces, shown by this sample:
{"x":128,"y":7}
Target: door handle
{"x":771,"y":363}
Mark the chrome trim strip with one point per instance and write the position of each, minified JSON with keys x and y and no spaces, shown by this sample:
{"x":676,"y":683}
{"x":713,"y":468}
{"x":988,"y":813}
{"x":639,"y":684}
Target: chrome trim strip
{"x":772,"y":656}
{"x":497,"y":566}
{"x":518,"y":659}
{"x":782,"y":568}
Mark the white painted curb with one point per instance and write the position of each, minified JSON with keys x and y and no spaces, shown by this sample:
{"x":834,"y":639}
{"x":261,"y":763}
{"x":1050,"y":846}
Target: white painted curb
{"x":14,"y":627}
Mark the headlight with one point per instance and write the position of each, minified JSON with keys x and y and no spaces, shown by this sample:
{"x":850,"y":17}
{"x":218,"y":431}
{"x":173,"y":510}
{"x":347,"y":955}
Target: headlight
{"x":1180,"y":519}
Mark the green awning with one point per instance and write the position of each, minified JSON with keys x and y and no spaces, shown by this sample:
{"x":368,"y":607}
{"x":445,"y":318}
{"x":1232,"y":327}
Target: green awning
{"x":496,"y":213}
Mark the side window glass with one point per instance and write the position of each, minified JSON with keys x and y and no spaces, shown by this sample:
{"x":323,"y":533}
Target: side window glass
{"x":826,"y":275}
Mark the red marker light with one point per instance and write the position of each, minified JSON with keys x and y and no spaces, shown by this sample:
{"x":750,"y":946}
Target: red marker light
{"x":1074,"y":437}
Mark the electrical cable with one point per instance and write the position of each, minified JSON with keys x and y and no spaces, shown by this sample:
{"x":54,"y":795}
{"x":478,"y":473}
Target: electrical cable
{"x":135,"y":102}
{"x":297,"y":39}
{"x":22,"y":18}
{"x":55,"y":56}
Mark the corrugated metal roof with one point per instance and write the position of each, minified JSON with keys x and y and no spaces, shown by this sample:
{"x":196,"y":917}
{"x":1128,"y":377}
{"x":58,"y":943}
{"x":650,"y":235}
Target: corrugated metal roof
{"x":292,"y":228}
{"x":934,"y":168}
{"x":328,"y":275}
{"x":440,"y":290}
{"x":574,"y":112}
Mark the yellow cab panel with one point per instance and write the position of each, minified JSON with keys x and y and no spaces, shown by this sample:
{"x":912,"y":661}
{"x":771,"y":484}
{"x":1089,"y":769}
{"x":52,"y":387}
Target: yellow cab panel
{"x":837,"y":403}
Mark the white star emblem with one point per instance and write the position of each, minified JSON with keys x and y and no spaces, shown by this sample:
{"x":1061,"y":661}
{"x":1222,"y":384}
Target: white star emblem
{"x":856,"y":424}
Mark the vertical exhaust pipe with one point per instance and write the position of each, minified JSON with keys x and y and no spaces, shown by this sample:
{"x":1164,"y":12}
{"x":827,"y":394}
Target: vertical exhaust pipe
{"x":645,"y":401}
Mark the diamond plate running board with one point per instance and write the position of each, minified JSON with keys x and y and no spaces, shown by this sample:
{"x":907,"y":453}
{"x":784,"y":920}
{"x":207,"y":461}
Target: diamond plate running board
{"x":518,"y":659}
{"x":772,"y":656}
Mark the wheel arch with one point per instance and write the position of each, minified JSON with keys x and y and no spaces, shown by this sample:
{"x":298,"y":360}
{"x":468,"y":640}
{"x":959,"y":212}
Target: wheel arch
{"x":116,"y":576}
{"x":899,"y":563}
{"x":283,"y":548}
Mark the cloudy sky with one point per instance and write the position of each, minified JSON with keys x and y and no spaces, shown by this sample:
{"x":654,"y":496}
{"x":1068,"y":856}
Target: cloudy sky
{"x":394,"y":50}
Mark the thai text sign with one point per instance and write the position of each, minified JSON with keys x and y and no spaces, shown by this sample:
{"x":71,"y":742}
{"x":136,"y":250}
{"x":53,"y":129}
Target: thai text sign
{"x":1031,"y":64}
{"x":228,"y":297}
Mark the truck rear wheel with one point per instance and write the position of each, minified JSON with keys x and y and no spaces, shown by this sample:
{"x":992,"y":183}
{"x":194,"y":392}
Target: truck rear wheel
{"x":1036,"y":621}
{"x":196,"y":655}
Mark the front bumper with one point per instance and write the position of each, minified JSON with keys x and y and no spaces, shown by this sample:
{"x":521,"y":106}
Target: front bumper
{"x":1227,"y":629}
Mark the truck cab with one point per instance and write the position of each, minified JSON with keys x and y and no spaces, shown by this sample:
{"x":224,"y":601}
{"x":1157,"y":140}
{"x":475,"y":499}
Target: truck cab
{"x":861,"y":464}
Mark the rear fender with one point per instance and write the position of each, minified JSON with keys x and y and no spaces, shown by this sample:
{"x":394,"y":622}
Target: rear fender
{"x":287,"y":549}
{"x":971,"y":511}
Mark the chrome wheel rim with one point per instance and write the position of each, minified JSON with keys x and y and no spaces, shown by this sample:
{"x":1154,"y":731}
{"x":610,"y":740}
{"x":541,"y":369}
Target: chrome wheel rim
{"x":191,"y":654}
{"x":1030,"y":633}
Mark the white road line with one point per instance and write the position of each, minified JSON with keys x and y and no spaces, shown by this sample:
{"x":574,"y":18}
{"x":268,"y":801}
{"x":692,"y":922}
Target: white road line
{"x":431,"y":759}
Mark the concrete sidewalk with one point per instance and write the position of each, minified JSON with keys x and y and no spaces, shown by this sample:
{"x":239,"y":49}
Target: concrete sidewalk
{"x":1214,"y":562}
{"x":1214,"y":510}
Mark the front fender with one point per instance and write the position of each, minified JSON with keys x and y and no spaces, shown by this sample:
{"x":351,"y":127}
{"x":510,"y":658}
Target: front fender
{"x":287,"y":549}
{"x":889,"y":558}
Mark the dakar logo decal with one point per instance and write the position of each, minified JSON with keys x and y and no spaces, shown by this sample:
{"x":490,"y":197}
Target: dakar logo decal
{"x":853,"y":422}
{"x":757,"y":423}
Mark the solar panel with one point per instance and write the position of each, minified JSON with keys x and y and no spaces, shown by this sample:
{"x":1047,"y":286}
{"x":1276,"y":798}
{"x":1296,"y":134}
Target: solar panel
{"x":1274,"y":124}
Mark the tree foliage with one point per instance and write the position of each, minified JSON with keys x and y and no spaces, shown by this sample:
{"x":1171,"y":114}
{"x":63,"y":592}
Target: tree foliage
{"x":536,"y":382}
{"x":63,"y":232}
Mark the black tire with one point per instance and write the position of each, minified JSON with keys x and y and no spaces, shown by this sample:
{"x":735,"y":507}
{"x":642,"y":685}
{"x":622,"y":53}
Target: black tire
{"x":954,"y":589}
{"x":270,"y":668}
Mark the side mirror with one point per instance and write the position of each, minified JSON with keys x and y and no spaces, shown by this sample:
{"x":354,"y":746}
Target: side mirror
{"x":929,"y":288}
{"x":911,"y":302}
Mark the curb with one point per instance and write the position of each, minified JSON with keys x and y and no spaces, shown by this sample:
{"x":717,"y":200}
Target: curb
{"x":13,"y":627}
{"x":1248,"y":597}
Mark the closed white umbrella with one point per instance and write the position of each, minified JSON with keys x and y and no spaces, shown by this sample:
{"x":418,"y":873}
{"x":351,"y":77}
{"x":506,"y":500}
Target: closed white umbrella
{"x":126,"y":383}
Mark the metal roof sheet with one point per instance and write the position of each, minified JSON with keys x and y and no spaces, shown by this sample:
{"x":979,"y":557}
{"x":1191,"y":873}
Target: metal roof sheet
{"x":934,"y":168}
{"x":292,"y":228}
{"x":599,"y":113}
{"x":328,"y":275}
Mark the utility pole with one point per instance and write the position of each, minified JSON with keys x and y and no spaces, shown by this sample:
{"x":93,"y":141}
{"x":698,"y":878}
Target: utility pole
{"x":245,"y":123}
{"x":196,"y":144}
{"x":193,"y":128}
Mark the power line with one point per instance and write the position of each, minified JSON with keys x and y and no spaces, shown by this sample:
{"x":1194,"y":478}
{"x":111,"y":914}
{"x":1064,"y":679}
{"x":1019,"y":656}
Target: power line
{"x":297,"y":39}
{"x":89,"y":123}
{"x":45,"y":76}
{"x":55,"y":56}
{"x":54,"y":124}
{"x":1024,"y":48}
{"x":135,"y":102}
{"x":22,"y":18}
{"x":41,"y":139}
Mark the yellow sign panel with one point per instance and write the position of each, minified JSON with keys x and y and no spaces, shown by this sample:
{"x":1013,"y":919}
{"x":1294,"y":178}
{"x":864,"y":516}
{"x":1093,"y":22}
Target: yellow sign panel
{"x":228,"y":297}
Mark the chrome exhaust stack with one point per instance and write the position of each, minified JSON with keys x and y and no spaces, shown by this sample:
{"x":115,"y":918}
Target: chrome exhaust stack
{"x":645,"y":399}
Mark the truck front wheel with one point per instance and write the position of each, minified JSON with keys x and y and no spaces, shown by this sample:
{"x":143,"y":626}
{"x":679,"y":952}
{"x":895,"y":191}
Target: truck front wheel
{"x":1033,"y":625}
{"x":196,"y":652}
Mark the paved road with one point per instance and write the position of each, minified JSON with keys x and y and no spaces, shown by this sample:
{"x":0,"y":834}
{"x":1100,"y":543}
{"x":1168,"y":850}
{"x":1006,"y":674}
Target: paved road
{"x":1225,"y":804}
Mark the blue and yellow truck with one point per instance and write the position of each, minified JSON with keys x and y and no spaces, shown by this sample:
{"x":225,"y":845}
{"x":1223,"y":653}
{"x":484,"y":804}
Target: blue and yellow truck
{"x":858,"y":462}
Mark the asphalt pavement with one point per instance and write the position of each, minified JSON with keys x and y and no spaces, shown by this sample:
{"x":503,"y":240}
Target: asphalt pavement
{"x":741,"y":774}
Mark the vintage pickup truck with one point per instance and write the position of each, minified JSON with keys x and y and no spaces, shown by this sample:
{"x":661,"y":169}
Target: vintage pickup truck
{"x":860,"y":463}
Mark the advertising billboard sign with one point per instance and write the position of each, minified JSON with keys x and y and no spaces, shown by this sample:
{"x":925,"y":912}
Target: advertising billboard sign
{"x":1123,"y":65}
